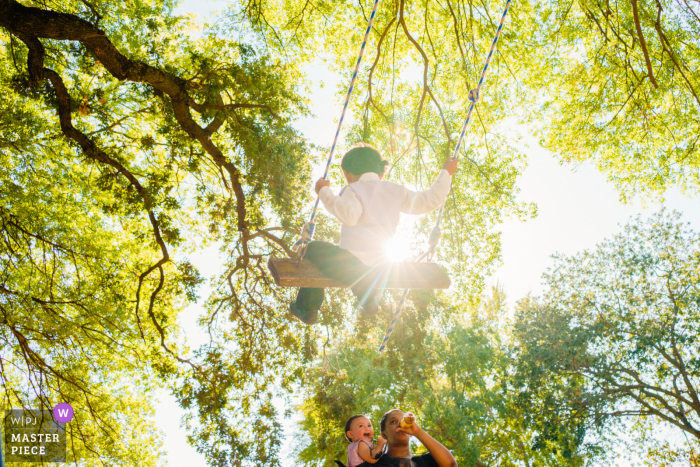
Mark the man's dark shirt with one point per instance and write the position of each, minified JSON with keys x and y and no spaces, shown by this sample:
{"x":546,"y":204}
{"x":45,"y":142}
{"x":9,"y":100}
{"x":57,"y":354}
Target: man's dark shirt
{"x":426,"y":460}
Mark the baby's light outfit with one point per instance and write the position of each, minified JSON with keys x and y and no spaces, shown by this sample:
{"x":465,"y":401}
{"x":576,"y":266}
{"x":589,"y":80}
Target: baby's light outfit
{"x":354,"y":458}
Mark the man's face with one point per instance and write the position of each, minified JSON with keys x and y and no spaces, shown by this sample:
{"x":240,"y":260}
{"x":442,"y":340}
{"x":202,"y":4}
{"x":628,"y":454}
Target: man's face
{"x":395,"y":436}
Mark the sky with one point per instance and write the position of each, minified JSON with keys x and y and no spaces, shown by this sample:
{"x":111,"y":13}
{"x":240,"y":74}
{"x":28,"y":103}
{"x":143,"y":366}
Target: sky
{"x":577,"y":209}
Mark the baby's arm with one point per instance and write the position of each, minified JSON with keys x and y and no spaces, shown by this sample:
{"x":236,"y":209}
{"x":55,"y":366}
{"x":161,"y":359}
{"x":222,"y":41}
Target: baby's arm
{"x":370,"y":455}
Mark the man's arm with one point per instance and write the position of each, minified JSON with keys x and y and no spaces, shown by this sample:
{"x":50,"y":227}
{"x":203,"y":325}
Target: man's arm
{"x":440,"y":453}
{"x":433,"y":197}
{"x":346,"y":207}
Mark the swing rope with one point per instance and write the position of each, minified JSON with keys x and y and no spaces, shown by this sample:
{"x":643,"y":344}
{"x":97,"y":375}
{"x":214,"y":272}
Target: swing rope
{"x":434,"y":238}
{"x":307,"y":233}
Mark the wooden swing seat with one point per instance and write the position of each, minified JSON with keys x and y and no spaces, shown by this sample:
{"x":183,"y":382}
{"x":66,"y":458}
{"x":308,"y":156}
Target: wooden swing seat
{"x":288,"y":272}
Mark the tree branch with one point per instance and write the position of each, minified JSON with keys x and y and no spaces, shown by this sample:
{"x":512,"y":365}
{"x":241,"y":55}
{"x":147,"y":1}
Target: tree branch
{"x":36,"y":23}
{"x":643,"y":43}
{"x":91,"y":150}
{"x":201,"y":107}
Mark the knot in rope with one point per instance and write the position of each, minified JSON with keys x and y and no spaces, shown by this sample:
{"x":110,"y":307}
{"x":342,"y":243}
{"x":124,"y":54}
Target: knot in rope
{"x":473,"y":95}
{"x":307,"y":234}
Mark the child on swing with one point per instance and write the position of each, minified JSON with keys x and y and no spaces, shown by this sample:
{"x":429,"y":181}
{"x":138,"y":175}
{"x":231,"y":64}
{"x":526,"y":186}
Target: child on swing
{"x":368,"y":209}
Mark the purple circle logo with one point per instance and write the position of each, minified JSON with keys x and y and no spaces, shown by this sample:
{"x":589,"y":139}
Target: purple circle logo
{"x":63,"y":413}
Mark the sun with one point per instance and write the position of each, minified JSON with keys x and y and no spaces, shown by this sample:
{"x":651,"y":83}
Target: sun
{"x":399,"y":248}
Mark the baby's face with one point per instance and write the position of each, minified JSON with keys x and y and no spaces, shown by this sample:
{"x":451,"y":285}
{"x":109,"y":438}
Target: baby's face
{"x":361,"y":428}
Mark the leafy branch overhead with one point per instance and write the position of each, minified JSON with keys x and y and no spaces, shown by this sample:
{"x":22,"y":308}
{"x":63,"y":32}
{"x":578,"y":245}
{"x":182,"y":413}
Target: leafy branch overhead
{"x":145,"y":134}
{"x":30,"y":24}
{"x":622,"y":90}
{"x":613,"y":82}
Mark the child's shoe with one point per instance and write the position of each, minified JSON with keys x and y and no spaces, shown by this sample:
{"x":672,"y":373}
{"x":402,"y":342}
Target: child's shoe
{"x":306,"y":316}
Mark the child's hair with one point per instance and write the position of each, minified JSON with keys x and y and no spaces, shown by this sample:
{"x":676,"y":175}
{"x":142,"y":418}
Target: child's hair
{"x":363,"y":158}
{"x":349,"y":422}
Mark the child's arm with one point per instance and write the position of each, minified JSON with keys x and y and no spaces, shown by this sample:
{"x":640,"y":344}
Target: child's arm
{"x":346,"y":207}
{"x":379,"y":449}
{"x":370,"y":455}
{"x":433,"y":197}
{"x":428,"y":200}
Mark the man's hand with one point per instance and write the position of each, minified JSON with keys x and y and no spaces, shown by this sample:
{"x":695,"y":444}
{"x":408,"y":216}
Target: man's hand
{"x":450,"y":165}
{"x":412,"y":430}
{"x":321,"y":183}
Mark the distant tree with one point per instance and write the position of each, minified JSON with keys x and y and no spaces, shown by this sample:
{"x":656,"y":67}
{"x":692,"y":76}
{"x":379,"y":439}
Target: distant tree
{"x":618,"y":330}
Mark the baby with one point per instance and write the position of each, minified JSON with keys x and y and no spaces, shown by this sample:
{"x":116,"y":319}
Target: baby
{"x":359,"y":432}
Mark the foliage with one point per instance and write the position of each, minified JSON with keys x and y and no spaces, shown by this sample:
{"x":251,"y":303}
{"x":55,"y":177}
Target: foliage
{"x":126,"y":143}
{"x":614,"y":82}
{"x":68,"y":330}
{"x":137,"y":143}
{"x":176,"y":143}
{"x":621,"y":88}
{"x":616,"y":332}
{"x":667,"y":456}
{"x":410,"y":101}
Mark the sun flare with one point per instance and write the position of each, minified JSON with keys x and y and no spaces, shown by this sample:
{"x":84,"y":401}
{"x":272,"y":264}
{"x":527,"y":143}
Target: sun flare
{"x":398,"y":249}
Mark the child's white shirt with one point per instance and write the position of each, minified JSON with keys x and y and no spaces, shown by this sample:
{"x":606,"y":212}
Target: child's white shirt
{"x":369,"y":210}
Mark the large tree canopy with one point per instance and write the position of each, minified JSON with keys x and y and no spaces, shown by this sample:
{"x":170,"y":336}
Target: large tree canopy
{"x":614,"y":82}
{"x":620,"y":86}
{"x":127,"y":143}
{"x":124,"y":145}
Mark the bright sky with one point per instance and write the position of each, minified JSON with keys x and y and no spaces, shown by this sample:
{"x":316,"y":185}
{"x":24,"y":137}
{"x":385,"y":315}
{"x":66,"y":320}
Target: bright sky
{"x":577,"y":209}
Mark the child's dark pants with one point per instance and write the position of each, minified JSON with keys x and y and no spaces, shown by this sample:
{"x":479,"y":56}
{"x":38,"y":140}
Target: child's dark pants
{"x":342,"y":266}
